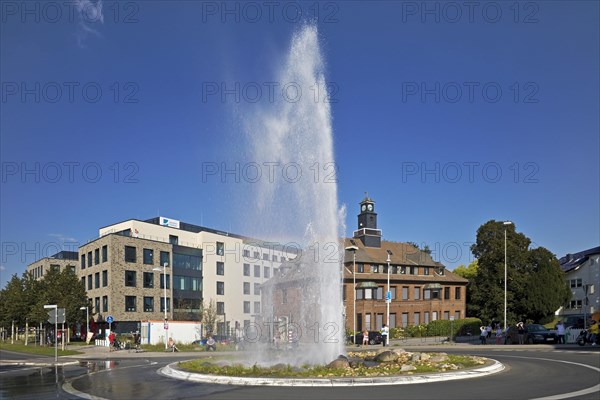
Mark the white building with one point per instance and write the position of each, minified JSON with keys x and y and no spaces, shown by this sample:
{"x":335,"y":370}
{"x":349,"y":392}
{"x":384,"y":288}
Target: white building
{"x":582,"y":273}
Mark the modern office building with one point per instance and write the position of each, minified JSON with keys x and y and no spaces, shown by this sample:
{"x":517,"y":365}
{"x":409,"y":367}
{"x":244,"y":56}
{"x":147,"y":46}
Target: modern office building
{"x":126,"y":269}
{"x":60,"y":260}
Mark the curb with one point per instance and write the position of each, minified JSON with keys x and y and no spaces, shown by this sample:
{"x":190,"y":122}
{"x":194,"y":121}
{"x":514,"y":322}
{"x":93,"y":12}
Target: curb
{"x":172,"y":372}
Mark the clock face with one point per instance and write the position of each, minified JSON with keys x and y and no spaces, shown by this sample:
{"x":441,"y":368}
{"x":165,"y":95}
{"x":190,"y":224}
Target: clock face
{"x":364,"y":207}
{"x":370,"y":207}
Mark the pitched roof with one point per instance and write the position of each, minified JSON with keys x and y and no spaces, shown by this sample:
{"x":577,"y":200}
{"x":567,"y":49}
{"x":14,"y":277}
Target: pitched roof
{"x":402,"y":254}
{"x":572,"y":261}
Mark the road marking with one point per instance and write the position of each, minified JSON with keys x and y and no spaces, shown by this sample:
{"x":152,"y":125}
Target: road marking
{"x":591,"y":390}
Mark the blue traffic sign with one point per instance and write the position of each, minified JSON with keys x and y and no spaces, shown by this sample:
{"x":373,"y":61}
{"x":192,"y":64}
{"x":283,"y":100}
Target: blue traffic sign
{"x":109,"y":319}
{"x":388,"y":296}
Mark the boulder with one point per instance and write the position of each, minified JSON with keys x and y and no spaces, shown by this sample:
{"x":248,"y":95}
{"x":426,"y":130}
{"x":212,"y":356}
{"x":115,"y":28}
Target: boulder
{"x":416,"y":357}
{"x":399,"y":351}
{"x":339,"y":363}
{"x":386,"y":356}
{"x":439,"y":357}
{"x":425,"y":357}
{"x":407,"y":367}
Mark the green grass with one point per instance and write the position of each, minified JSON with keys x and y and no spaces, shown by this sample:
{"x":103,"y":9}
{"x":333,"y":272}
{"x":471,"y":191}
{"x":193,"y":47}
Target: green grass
{"x":38,"y":350}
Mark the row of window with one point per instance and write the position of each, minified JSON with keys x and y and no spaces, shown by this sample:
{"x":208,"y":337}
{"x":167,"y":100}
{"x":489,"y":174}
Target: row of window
{"x":148,"y":279}
{"x":147,"y":304}
{"x":256,"y":256}
{"x":221,"y":307}
{"x":87,"y":260}
{"x":428,"y":294}
{"x":266,"y":271}
{"x":93,"y":280}
{"x":394,"y":269}
{"x":375,"y":321}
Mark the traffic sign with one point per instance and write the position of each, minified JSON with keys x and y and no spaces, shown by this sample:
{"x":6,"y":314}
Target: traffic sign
{"x":109,"y":319}
{"x":166,"y":325}
{"x":59,"y":319}
{"x":388,"y":297}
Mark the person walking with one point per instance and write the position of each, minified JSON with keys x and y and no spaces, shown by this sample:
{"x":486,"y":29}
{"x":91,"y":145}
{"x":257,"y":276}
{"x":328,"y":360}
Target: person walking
{"x":385,"y":332}
{"x":521,"y":332}
{"x":560,"y":331}
{"x":365,"y":340}
{"x":498,"y":334}
{"x":483,"y":334}
{"x":593,"y":332}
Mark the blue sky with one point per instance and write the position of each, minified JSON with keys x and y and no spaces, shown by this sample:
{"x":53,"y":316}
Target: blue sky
{"x":448,"y":116}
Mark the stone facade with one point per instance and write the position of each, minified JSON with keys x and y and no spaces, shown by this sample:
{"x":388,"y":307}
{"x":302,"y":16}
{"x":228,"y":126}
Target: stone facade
{"x":61,"y":260}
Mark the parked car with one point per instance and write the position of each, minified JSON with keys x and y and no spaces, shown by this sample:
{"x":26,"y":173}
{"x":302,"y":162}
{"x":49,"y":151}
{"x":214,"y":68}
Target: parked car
{"x":375,"y":337}
{"x":534,"y":333}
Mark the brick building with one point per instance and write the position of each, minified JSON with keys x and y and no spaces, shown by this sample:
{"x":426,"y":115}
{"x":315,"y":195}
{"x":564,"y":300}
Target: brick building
{"x":421,"y":289}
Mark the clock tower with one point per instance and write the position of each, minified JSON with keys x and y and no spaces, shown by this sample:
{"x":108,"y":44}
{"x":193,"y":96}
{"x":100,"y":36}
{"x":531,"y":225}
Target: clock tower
{"x":367,"y":224}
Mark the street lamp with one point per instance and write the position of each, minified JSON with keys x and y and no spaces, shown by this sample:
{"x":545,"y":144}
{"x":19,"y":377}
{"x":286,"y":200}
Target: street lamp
{"x":87,"y":321}
{"x":164,"y":269}
{"x":55,"y":308}
{"x":388,"y":297}
{"x":505,"y":223}
{"x":353,"y":250}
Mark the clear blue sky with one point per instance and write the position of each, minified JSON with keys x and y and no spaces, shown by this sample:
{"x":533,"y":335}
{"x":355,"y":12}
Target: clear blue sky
{"x":502,"y":100}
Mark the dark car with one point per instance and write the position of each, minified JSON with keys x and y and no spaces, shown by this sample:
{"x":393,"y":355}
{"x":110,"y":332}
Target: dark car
{"x":375,"y":337}
{"x":534,"y":333}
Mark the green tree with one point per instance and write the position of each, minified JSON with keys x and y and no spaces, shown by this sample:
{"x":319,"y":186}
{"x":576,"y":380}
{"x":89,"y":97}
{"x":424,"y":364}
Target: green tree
{"x":467,"y":272}
{"x":535,"y":285}
{"x":210,"y":317}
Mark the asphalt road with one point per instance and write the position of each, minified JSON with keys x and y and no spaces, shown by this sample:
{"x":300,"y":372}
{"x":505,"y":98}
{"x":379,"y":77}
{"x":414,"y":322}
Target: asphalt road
{"x":531,"y":373}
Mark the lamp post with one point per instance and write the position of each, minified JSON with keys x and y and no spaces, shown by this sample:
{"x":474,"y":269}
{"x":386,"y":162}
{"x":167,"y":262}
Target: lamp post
{"x":55,"y":308}
{"x":505,"y":223}
{"x":388,"y":298}
{"x":353,"y":250}
{"x":164,"y":269}
{"x":87,"y":321}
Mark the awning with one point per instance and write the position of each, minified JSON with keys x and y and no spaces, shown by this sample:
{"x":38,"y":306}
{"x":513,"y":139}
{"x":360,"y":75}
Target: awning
{"x":366,"y":285}
{"x":433,"y":286}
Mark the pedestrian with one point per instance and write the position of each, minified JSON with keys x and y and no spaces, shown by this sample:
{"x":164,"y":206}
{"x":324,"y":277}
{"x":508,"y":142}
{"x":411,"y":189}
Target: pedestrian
{"x":498,"y":334}
{"x":385,"y":332}
{"x":365,"y":341}
{"x":593,"y":332}
{"x":211,"y":344}
{"x":172,"y":345}
{"x":560,"y":330}
{"x":483,"y":334}
{"x":111,"y":341}
{"x":488,"y":329}
{"x":521,"y":332}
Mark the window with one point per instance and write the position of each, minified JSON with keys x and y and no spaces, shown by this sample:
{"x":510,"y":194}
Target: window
{"x":130,"y":254}
{"x":426,"y":317}
{"x":89,"y":259}
{"x":256,"y":255}
{"x":148,"y":257}
{"x":360,"y":268}
{"x":575,"y":304}
{"x":404,"y":292}
{"x":221,"y":288}
{"x":457,"y":293}
{"x":375,"y":269}
{"x":164,"y":258}
{"x":162,"y":304}
{"x":417,"y":293}
{"x":447,"y":293}
{"x":162,"y":281}
{"x":394,"y":269}
{"x":220,"y":308}
{"x":284,"y":298}
{"x":378,"y":321}
{"x":246,"y":287}
{"x":71,"y":268}
{"x":104,"y":303}
{"x":104,"y":278}
{"x":257,"y":271}
{"x":186,"y":283}
{"x":426,"y":271}
{"x":446,"y":315}
{"x":274,"y":258}
{"x":257,"y":307}
{"x":148,"y":304}
{"x":83,"y":281}
{"x":96,"y":256}
{"x":246,"y":307}
{"x":265,"y":257}
{"x":246,"y":269}
{"x":173,"y":239}
{"x":416,"y":318}
{"x":267,"y":272}
{"x":130,"y":303}
{"x":378,"y":293}
{"x":411,"y":270}
{"x":130,"y":278}
{"x":434,"y":316}
{"x":220,"y":268}
{"x":368,"y":294}
{"x":148,"y":280}
{"x":403,"y":270}
{"x":393,"y":290}
{"x":187,"y":261}
{"x":246,"y":254}
{"x":220,"y":248}
{"x":392,"y":320}
{"x":457,"y":314}
{"x":359,"y":294}
{"x":97,"y":280}
{"x":104,"y":253}
{"x":368,"y":322}
{"x":575,"y":283}
{"x":83,"y":261}
{"x":427,"y":294}
{"x":257,"y":288}
{"x":404,"y":319}
{"x":90,"y":282}
{"x":97,"y":304}
{"x":435,"y":294}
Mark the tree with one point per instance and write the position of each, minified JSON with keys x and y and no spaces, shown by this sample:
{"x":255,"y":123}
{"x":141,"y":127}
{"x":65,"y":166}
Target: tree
{"x":467,"y":272}
{"x":209,"y":317}
{"x":535,"y":285}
